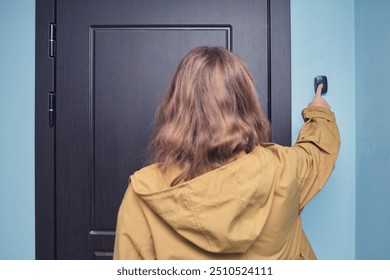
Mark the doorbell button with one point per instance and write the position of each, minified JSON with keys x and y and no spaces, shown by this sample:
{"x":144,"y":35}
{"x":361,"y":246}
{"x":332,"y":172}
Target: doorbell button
{"x":321,"y":80}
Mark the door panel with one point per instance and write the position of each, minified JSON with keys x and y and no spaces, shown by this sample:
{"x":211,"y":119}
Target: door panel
{"x":114,"y":60}
{"x":130,"y":68}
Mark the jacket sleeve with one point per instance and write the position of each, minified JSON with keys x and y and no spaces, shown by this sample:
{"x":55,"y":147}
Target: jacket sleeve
{"x":317,"y":148}
{"x":133,"y":240}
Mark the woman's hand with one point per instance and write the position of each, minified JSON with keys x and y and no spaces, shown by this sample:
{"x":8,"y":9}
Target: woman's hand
{"x":318,"y":100}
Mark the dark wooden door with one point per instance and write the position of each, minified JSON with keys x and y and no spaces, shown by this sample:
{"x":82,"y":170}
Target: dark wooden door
{"x":112,"y":63}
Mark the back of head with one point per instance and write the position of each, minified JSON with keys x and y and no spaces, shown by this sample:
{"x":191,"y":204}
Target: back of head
{"x":209,"y":114}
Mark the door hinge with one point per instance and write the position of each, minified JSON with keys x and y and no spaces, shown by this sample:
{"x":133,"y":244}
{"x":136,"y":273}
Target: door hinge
{"x":52,"y":109}
{"x":52,"y":40}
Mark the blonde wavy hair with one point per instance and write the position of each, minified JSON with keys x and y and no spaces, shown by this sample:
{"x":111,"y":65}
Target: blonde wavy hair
{"x":209,"y":114}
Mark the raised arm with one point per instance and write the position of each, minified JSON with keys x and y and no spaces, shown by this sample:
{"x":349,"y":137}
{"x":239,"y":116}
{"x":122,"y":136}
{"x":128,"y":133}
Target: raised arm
{"x":317,"y":147}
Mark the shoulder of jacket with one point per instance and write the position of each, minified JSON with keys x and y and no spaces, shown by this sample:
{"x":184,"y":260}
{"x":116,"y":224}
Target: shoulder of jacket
{"x":281,"y":154}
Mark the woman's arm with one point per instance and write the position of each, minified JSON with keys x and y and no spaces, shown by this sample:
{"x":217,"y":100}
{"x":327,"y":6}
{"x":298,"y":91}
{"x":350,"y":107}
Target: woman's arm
{"x":317,"y":147}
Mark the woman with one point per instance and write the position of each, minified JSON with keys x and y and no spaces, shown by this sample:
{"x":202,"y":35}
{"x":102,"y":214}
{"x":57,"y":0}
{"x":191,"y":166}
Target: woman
{"x":217,"y":189}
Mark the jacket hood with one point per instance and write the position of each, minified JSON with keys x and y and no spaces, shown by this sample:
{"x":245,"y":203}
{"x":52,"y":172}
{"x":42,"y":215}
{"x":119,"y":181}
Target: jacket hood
{"x":221,"y":211}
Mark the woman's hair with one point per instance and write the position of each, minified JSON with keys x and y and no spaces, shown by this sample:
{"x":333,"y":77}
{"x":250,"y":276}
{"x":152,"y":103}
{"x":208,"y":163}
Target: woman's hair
{"x":209,"y":114}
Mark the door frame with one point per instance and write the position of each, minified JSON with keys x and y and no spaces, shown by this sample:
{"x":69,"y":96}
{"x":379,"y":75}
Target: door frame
{"x":45,"y":210}
{"x":279,"y":81}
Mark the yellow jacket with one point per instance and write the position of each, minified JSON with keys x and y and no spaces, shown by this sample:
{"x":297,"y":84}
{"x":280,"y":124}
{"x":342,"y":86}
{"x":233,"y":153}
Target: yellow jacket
{"x":248,"y":209}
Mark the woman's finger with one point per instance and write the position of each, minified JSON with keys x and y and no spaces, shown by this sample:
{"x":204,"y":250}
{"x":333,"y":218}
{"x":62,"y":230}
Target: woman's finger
{"x":319,"y":90}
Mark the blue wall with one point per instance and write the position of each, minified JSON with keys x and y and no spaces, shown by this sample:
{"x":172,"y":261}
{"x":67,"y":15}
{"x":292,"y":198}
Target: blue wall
{"x":322,"y":42}
{"x":17,"y":32}
{"x":373,"y":133}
